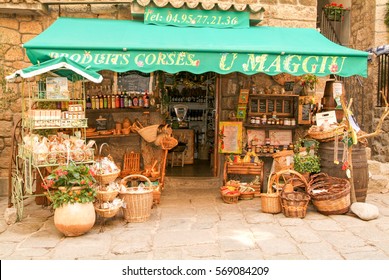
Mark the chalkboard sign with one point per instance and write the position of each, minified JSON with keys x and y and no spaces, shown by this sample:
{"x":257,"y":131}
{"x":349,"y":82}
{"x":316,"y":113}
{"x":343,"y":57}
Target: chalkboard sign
{"x":262,"y":105}
{"x":254,"y":105}
{"x":288,"y":87}
{"x":270,"y":106}
{"x":287,"y":106}
{"x":304,"y":112}
{"x":134,"y":81}
{"x":279,"y":106}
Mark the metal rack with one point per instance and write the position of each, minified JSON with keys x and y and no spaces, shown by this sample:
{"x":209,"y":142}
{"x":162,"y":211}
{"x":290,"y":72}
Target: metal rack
{"x":28,"y":166}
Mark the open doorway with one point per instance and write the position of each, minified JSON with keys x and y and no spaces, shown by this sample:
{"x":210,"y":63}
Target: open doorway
{"x":191,"y":114}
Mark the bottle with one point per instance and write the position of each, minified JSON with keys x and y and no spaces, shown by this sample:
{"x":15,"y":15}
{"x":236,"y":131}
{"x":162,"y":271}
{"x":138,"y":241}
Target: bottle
{"x":97,"y":100}
{"x":93,"y":101}
{"x":121,"y":100}
{"x":135,"y":101}
{"x":88,"y":102}
{"x":125,"y":102}
{"x":117,"y":100}
{"x":113,"y":101}
{"x":105,"y":101}
{"x":146,"y":99}
{"x":140,"y":101}
{"x":101,"y":101}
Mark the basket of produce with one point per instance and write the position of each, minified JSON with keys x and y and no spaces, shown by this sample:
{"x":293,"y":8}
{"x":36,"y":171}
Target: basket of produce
{"x":246,"y":192}
{"x":108,"y":209}
{"x":230,"y":194}
{"x":330,"y":195}
{"x":326,"y":133}
{"x":137,"y":200}
{"x":108,"y":192}
{"x":104,"y":168}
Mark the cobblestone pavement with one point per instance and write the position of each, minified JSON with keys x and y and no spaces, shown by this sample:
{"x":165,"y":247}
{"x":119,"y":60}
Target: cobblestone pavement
{"x":194,"y":223}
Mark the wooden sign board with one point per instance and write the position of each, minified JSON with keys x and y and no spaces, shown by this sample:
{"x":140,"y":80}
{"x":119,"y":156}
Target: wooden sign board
{"x":304,"y":111}
{"x":280,"y":137}
{"x":258,"y":135}
{"x":243,"y":96}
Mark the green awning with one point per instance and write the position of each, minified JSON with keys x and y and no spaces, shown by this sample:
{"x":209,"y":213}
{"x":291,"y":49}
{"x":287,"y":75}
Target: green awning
{"x":61,"y":66}
{"x":122,"y":45}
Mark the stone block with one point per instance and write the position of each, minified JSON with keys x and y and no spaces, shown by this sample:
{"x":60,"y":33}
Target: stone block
{"x":31,"y":27}
{"x":9,"y":36}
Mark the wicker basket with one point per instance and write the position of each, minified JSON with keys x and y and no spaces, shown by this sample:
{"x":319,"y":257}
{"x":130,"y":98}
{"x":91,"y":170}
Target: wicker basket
{"x":230,"y":198}
{"x":107,"y":213}
{"x":334,"y":195}
{"x":106,"y":195}
{"x":294,"y":204}
{"x":281,"y":160}
{"x":168,"y":142}
{"x":131,"y":163}
{"x":270,"y":201}
{"x":107,"y":178}
{"x":327,"y":135}
{"x":246,"y":195}
{"x":149,"y":133}
{"x":137,"y":203}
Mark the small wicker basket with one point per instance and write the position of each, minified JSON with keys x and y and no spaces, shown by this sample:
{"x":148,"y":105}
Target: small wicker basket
{"x":106,"y":195}
{"x":107,"y":178}
{"x":107,"y":213}
{"x":294,"y":204}
{"x":230,"y":198}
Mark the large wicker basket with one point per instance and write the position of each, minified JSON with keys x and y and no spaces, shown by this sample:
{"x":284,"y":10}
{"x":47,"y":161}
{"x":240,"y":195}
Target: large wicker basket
{"x":149,"y":133}
{"x":138,"y":202}
{"x":330,"y":195}
{"x":106,"y":195}
{"x":327,"y":135}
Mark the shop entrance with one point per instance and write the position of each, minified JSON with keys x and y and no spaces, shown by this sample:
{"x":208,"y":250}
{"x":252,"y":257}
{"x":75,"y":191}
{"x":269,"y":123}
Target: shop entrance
{"x":191,"y":114}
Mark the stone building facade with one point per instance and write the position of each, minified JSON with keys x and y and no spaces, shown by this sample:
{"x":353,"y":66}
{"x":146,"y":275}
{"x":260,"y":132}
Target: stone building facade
{"x":21,"y":20}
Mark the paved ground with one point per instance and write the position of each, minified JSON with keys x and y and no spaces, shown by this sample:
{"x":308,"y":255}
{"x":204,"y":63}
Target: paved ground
{"x":194,"y":223}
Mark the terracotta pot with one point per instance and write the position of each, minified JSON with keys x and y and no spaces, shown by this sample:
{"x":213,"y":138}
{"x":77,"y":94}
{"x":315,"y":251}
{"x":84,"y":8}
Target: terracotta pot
{"x":75,"y":219}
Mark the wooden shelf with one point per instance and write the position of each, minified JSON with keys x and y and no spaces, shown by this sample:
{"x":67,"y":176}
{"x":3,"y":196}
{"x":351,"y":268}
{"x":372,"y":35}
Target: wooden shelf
{"x":100,"y":111}
{"x":270,"y":126}
{"x":113,"y":136}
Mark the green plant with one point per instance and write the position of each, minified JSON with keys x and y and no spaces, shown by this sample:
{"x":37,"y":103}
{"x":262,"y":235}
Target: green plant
{"x":305,"y":158}
{"x":334,"y":11}
{"x":64,"y":179}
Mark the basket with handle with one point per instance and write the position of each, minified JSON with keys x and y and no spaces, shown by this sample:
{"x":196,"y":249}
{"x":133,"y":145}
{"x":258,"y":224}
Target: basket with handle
{"x":270,"y":201}
{"x":149,"y":133}
{"x":109,"y":177}
{"x":330,"y":195}
{"x":138,"y":201}
{"x":283,"y":160}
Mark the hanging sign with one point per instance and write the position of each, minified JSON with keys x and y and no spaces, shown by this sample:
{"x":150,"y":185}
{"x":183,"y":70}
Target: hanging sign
{"x":197,"y":18}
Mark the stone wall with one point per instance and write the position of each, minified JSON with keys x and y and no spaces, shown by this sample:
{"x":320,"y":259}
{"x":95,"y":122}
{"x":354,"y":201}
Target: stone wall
{"x":368,"y":30}
{"x":16,"y":29}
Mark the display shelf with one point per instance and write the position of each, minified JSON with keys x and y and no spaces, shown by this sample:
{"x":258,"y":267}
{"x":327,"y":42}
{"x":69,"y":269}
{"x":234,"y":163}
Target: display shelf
{"x":112,"y":136}
{"x":270,"y":126}
{"x":120,"y":110}
{"x":55,"y":123}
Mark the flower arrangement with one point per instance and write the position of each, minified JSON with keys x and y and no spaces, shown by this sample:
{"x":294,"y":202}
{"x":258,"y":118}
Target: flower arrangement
{"x":309,"y":80}
{"x":334,"y":11}
{"x":64,"y":179}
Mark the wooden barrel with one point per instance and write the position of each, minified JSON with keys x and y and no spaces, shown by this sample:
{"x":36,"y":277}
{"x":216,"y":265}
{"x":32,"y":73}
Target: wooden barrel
{"x":328,"y":101}
{"x":360,"y":167}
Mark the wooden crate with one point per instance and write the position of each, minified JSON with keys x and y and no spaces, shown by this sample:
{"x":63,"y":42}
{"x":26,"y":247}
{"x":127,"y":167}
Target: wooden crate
{"x":243,"y":169}
{"x":131,"y":164}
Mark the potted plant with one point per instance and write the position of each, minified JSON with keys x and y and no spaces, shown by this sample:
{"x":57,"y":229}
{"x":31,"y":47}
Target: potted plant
{"x":308,"y":82}
{"x":72,"y":198}
{"x":334,"y":11}
{"x":305,"y":158}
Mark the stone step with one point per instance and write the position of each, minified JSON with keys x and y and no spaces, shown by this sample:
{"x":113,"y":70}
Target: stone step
{"x":192,"y":182}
